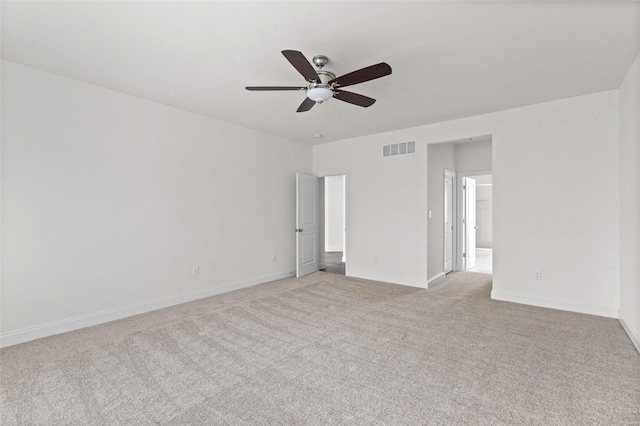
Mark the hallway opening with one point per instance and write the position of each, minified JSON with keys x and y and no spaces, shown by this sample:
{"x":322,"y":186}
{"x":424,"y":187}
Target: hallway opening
{"x":335,"y":224}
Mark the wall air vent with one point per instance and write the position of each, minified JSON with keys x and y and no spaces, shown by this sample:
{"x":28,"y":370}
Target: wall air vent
{"x":399,"y":149}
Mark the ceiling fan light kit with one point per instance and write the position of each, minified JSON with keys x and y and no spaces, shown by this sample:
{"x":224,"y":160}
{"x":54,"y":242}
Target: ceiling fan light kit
{"x":319,"y":94}
{"x":323,"y":85}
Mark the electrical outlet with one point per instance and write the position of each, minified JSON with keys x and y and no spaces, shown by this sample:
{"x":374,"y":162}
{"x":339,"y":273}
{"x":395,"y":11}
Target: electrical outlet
{"x":196,"y":271}
{"x":537,"y":275}
{"x":273,"y":258}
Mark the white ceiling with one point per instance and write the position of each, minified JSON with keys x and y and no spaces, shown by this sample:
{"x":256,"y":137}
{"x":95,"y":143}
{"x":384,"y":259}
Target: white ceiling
{"x":449,"y":59}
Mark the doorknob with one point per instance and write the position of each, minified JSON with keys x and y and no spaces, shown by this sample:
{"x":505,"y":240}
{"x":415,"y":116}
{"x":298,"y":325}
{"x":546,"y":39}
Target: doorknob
{"x":299,"y":230}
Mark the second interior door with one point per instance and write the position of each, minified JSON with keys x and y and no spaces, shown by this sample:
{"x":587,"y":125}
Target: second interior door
{"x":469,"y":222}
{"x":449,"y":217}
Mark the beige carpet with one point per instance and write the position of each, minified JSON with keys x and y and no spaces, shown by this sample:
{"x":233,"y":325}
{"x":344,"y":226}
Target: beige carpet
{"x":327,"y":349}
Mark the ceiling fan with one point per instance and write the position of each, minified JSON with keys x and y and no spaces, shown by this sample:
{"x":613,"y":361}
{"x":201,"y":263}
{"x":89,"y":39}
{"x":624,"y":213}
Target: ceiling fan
{"x":323,"y":85}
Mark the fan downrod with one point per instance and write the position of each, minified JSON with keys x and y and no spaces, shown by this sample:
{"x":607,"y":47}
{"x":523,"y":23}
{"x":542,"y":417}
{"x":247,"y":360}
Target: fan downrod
{"x":320,"y":61}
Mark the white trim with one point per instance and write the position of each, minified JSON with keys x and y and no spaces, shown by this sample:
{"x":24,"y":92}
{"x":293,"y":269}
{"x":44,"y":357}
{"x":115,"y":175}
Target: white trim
{"x":386,"y":281}
{"x":561,"y":304}
{"x":31,"y":333}
{"x":337,"y":172}
{"x":633,"y":334}
{"x":440,"y":275}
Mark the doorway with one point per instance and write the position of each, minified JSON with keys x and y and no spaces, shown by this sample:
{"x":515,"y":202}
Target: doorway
{"x":335,"y":224}
{"x":448,"y":164}
{"x":476,"y":214}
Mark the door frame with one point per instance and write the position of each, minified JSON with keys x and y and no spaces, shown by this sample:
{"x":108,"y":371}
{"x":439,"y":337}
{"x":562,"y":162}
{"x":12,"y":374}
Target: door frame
{"x":454,"y":231}
{"x":459,"y":246}
{"x":347,"y":249}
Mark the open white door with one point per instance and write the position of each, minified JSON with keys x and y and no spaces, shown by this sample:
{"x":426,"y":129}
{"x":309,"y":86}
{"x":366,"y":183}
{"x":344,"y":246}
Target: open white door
{"x":449,"y":177}
{"x":469,"y":222}
{"x":306,"y":224}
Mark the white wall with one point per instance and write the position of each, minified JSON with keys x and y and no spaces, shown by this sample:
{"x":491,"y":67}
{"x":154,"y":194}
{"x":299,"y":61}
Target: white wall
{"x":384,"y":214}
{"x":629,"y":202}
{"x":441,"y":156}
{"x":109,"y":200}
{"x":550,"y":162}
{"x":473,"y":157}
{"x":555,"y":194}
{"x":334,"y":208}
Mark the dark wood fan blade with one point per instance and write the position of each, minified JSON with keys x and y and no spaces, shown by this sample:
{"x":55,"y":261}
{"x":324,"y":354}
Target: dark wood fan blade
{"x":362,"y":75}
{"x":301,"y":64}
{"x":263,"y":88}
{"x":354,"y":98}
{"x":306,"y":105}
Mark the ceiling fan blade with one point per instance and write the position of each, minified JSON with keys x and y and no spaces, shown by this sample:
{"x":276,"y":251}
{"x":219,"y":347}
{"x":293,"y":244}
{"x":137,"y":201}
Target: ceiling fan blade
{"x":354,"y":98}
{"x":301,"y":64}
{"x":362,"y":75}
{"x":306,"y":105}
{"x":263,"y":88}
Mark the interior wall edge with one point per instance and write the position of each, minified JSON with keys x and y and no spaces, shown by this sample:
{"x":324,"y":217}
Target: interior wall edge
{"x":370,"y":277}
{"x":434,"y":279}
{"x":634,"y":335}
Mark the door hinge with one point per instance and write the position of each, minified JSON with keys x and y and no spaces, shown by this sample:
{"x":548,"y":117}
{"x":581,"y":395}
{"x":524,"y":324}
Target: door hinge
{"x":464,"y":254}
{"x":464,"y":186}
{"x":464,"y":221}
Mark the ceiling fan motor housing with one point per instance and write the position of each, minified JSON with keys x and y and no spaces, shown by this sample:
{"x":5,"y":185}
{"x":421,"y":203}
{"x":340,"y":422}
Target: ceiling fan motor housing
{"x":325,"y":77}
{"x":321,"y":91}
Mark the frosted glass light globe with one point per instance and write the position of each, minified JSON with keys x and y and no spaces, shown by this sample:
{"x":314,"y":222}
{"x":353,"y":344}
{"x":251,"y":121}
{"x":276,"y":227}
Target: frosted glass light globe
{"x":319,"y":94}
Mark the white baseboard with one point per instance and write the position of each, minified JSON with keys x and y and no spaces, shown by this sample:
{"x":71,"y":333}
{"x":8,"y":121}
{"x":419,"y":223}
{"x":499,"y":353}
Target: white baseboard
{"x":440,"y":275}
{"x":31,"y":333}
{"x":563,"y":305}
{"x":384,"y":280}
{"x":633,"y":334}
